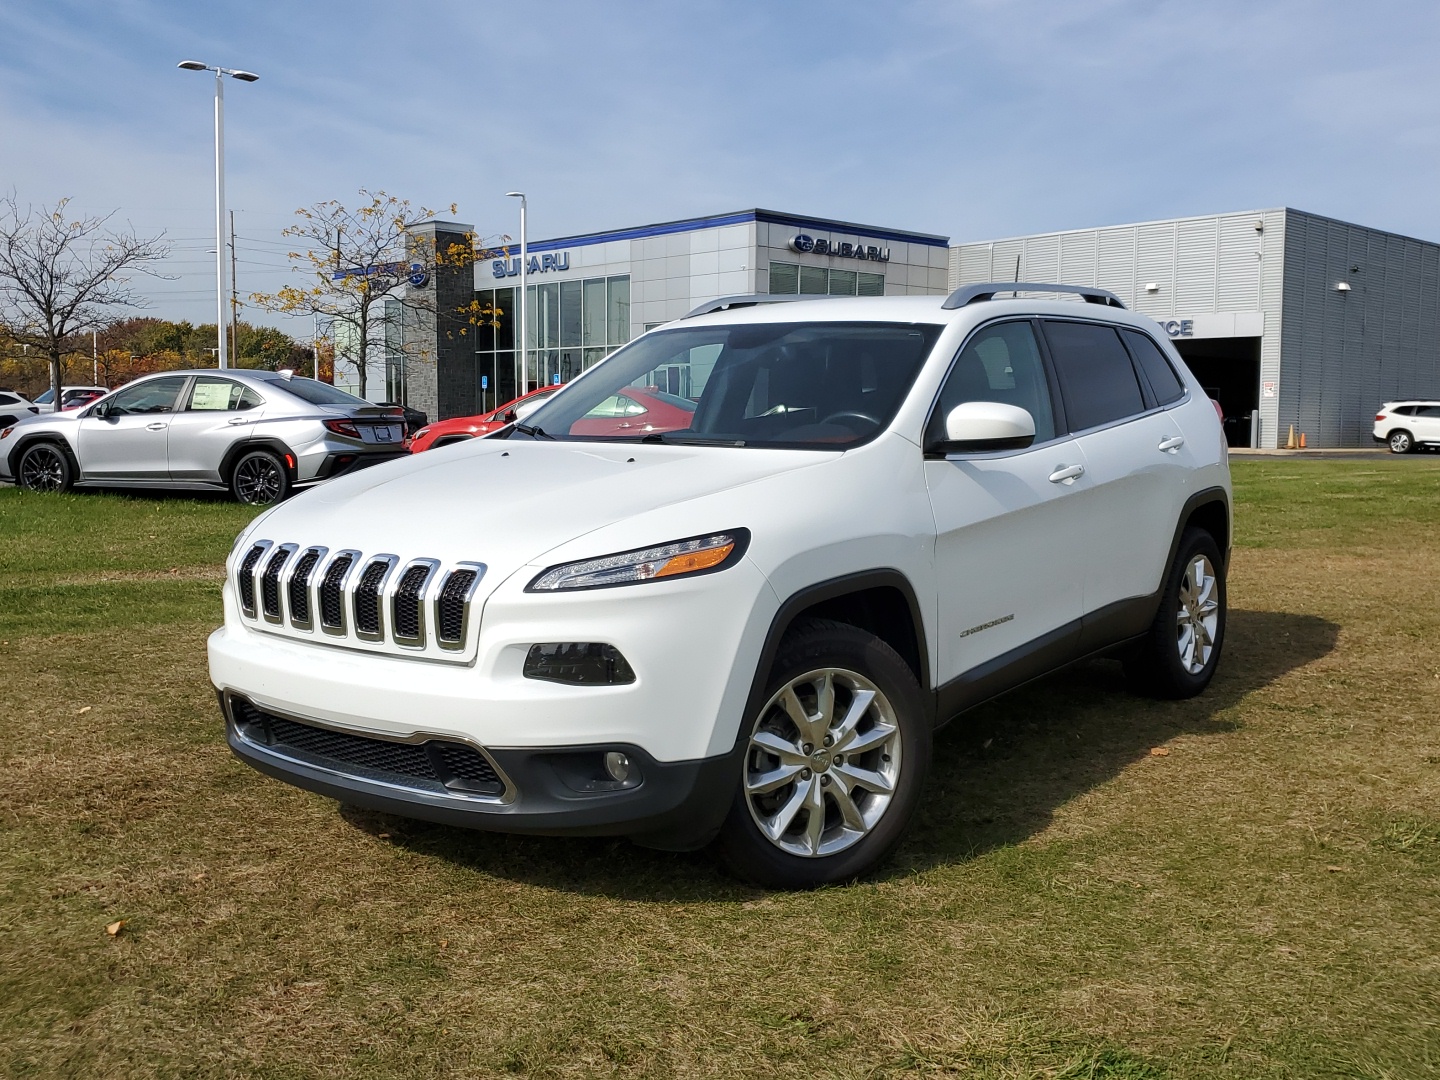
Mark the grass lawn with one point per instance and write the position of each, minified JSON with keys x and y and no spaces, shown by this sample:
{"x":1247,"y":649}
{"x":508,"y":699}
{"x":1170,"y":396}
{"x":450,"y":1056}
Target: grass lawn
{"x":1261,"y":901}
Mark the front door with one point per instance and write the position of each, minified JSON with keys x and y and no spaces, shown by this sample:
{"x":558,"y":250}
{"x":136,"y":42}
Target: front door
{"x":1010,"y":576}
{"x":130,"y":440}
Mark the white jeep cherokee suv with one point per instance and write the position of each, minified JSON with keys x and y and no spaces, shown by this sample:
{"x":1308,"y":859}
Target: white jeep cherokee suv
{"x":885,"y":511}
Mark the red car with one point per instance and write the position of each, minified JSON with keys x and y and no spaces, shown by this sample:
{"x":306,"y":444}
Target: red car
{"x":460,"y":428}
{"x":630,"y":411}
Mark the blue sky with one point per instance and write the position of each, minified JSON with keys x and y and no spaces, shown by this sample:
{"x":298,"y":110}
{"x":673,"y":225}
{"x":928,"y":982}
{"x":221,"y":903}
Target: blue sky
{"x":972,"y":118}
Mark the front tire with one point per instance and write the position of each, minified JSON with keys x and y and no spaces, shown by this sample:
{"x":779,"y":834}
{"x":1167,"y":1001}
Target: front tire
{"x":259,"y":479}
{"x":1182,"y":649}
{"x":1401,"y":442}
{"x":834,"y":761}
{"x":45,"y":467}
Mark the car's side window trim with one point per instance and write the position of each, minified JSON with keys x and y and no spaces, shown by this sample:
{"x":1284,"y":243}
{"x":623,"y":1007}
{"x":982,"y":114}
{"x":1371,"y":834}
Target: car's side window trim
{"x":1056,"y":410}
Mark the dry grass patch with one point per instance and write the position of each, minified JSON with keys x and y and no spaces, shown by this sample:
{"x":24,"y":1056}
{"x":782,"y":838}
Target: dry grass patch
{"x":1261,"y":901}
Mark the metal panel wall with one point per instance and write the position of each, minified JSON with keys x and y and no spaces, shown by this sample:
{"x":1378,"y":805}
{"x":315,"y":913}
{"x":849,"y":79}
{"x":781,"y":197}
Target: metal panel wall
{"x":1346,"y":351}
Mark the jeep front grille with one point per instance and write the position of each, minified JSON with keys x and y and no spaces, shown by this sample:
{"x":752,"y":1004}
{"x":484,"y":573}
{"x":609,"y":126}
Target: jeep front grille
{"x":355,"y":598}
{"x":436,"y":765}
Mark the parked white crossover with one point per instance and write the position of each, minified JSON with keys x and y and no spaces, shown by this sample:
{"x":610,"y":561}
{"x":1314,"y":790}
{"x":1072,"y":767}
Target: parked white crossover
{"x":885,"y":511}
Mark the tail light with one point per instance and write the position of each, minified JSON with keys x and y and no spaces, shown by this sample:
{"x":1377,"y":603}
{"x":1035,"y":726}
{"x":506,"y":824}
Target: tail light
{"x":1379,"y":417}
{"x":343,"y":427}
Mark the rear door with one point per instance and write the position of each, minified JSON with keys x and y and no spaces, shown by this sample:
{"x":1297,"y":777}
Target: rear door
{"x":1138,"y":466}
{"x":130,"y":442}
{"x":218,"y":413}
{"x":1425,"y":423}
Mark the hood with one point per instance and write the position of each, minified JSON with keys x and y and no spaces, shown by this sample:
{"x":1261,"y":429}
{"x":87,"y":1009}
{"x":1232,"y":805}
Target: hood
{"x":507,"y":502}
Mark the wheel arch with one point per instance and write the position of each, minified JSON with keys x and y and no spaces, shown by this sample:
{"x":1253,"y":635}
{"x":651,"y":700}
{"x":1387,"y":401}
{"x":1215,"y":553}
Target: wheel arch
{"x":880,"y":601}
{"x":245,"y":446}
{"x":1208,"y":510}
{"x":27,"y":441}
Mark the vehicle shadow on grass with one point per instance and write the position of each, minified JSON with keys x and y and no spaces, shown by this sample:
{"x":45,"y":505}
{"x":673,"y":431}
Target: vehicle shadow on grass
{"x":999,"y":773}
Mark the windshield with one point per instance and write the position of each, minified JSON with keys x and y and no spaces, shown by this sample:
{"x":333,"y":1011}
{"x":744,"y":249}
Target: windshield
{"x":800,"y":385}
{"x":45,"y":398}
{"x":317,"y":393}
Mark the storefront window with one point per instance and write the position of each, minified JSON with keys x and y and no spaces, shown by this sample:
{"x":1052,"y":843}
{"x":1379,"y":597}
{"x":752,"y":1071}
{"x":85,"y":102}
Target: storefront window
{"x":792,"y":278}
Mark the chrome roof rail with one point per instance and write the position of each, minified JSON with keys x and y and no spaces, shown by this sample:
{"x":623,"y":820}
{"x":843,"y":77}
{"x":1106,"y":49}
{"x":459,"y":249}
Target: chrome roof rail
{"x":970,"y":294}
{"x":752,"y":299}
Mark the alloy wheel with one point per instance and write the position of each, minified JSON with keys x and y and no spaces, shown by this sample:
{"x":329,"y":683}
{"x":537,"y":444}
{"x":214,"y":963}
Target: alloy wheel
{"x":822,"y":762}
{"x":258,"y":481}
{"x":1198,"y":616}
{"x":43,"y":469}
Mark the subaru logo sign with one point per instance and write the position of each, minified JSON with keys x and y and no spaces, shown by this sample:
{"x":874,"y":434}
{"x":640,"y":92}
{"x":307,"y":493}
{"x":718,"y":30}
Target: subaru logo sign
{"x":419,"y":277}
{"x":846,"y":249}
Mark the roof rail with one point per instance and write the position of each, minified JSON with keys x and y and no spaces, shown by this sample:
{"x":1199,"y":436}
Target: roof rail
{"x":752,"y":299}
{"x":969,"y":294}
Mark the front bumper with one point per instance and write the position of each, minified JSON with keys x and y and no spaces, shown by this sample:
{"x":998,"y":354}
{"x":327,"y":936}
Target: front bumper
{"x":561,"y":790}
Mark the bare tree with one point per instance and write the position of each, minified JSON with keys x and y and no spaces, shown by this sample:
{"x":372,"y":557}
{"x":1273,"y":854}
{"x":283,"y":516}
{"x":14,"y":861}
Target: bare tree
{"x":352,"y":258}
{"x":60,"y":276}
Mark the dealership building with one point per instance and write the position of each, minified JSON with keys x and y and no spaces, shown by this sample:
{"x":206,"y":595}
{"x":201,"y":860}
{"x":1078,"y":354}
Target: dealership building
{"x":1288,"y":318}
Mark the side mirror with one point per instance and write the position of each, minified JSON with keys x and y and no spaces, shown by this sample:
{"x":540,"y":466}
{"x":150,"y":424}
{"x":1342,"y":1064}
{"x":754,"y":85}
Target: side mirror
{"x":510,"y":416}
{"x":99,"y":410}
{"x":985,"y":425}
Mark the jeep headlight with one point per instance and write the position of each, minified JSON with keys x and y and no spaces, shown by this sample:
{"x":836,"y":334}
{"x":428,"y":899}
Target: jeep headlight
{"x":697,"y":555}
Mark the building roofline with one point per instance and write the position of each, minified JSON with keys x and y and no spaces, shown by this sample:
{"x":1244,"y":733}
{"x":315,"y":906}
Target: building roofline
{"x":738,"y":217}
{"x":1127,"y":225}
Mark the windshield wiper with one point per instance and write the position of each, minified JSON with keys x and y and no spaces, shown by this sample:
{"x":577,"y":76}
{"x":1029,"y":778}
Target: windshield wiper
{"x":534,"y":432}
{"x":687,"y":438}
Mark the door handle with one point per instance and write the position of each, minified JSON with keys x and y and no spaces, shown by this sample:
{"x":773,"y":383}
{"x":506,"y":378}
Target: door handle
{"x":156,"y":427}
{"x":237,"y":420}
{"x":1171,"y":444}
{"x":1066,"y":474}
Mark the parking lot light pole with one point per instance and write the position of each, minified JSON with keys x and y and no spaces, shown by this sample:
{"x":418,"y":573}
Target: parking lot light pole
{"x":524,"y":297}
{"x":244,"y":76}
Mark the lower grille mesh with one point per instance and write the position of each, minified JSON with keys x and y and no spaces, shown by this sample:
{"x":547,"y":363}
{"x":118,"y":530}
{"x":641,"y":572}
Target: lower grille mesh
{"x":435,"y":765}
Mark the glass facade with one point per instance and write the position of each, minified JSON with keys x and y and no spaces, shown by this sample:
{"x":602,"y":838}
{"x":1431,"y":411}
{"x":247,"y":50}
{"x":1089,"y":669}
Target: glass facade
{"x":572,"y":325}
{"x":790,"y":278}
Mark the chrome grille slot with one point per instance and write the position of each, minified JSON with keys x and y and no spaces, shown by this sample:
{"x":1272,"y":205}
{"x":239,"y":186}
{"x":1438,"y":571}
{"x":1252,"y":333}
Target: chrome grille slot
{"x":369,"y":624}
{"x":245,"y":576}
{"x":270,"y":582}
{"x":332,"y":595}
{"x":452,"y":606}
{"x":298,"y":588}
{"x":407,"y":609}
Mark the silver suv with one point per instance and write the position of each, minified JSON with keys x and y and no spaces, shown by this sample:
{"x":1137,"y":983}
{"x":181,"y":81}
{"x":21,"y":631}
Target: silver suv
{"x":259,"y":433}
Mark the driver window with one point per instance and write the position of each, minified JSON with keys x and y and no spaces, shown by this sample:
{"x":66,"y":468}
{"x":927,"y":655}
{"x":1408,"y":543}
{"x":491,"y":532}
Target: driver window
{"x":999,"y":363}
{"x":157,"y":396}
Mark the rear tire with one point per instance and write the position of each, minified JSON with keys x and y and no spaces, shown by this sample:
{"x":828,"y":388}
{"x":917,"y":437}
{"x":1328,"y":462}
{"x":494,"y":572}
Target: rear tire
{"x":45,"y":467}
{"x":1401,"y":442}
{"x":259,"y":479}
{"x":1182,"y":649}
{"x":834,"y":761}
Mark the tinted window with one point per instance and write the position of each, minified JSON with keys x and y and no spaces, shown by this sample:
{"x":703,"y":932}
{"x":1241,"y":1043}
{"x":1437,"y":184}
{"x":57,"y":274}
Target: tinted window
{"x":221,"y":395}
{"x":317,"y":393}
{"x":9,"y":399}
{"x":155,"y":396}
{"x":1403,"y":410}
{"x":999,"y":363}
{"x":1427,"y":410}
{"x":1157,"y":369}
{"x":1096,"y":377}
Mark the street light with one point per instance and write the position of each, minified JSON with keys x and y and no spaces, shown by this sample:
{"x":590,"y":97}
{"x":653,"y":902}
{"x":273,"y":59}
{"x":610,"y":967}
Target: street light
{"x":243,"y":76}
{"x":524,"y":298}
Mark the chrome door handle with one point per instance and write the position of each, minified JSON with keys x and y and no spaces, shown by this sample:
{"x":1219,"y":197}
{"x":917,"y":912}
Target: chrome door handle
{"x":1066,"y":474}
{"x":1171,"y":444}
{"x":155,"y":427}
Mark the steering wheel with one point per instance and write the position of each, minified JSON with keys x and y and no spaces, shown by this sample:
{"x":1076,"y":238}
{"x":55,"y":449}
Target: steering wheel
{"x":852,"y":414}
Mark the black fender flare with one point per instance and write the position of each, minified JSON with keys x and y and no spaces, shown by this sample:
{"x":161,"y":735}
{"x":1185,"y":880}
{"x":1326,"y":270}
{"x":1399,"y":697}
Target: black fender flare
{"x":245,"y":446}
{"x":27,"y":441}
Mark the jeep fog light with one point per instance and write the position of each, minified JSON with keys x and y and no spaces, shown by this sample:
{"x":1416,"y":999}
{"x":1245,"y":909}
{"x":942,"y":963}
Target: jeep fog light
{"x":589,"y":663}
{"x":618,"y":766}
{"x":697,"y":555}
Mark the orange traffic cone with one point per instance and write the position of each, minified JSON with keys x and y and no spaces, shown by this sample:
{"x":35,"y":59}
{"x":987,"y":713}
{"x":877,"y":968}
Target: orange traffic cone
{"x":1302,"y":440}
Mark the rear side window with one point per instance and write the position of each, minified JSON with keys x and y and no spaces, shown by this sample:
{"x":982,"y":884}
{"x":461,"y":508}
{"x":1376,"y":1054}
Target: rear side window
{"x":1157,"y":369}
{"x":1097,"y":379}
{"x":221,"y":395}
{"x":1426,"y":410}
